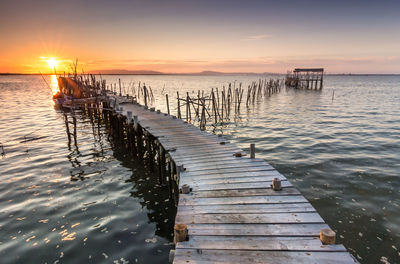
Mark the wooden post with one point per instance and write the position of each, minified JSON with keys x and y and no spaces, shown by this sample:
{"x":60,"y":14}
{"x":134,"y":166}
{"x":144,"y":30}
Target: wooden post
{"x":169,"y":176}
{"x":322,"y":77}
{"x":145,"y":94}
{"x":187,"y":107}
{"x":276,"y":184}
{"x":180,"y":233}
{"x":327,"y":236}
{"x":185,"y":189}
{"x":252,"y":151}
{"x":129,"y":113}
{"x":171,"y":256}
{"x":179,"y":106}
{"x":120,"y":88}
{"x":179,"y":169}
{"x":166,"y":96}
{"x":161,"y":164}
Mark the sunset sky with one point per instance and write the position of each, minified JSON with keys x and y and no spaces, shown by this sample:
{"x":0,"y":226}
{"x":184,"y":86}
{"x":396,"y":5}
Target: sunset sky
{"x":191,"y":36}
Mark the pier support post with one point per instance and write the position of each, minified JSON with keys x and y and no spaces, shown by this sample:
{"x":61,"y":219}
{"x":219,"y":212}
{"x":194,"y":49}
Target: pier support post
{"x":139,"y":136}
{"x":161,"y":164}
{"x":170,"y":178}
{"x":171,"y":256}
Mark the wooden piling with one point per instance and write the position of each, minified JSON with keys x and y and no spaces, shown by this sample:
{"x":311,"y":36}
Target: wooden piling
{"x":252,"y":151}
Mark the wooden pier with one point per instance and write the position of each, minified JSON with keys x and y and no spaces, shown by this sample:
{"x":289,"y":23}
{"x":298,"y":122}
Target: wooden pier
{"x":232,"y":207}
{"x":302,"y":78}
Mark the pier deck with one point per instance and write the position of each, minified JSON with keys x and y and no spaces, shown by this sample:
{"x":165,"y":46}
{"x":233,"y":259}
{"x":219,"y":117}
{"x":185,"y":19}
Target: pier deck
{"x":232,"y":214}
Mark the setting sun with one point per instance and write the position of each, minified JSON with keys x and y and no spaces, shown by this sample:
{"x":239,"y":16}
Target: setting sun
{"x":52,"y":62}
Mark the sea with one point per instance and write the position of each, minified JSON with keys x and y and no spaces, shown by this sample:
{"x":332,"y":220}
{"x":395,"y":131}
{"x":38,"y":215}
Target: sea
{"x":86,"y":200}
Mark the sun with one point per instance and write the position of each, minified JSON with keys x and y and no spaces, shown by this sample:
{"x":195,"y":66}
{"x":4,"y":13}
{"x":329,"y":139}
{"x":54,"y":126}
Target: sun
{"x":52,"y":62}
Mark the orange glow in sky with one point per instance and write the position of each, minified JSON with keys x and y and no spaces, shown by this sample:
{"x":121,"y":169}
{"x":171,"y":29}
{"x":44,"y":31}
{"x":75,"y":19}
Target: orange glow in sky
{"x":191,"y":36}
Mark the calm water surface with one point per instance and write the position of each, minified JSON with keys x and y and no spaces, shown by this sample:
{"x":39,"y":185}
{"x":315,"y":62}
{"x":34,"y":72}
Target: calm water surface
{"x":90,"y":202}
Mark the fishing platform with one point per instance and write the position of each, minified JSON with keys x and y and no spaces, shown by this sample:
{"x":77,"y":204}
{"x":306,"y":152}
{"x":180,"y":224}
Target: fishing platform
{"x":231,"y":206}
{"x":306,"y":78}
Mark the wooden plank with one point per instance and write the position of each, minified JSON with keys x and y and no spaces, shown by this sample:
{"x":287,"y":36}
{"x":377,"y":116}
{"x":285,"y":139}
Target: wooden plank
{"x":198,"y":153}
{"x":236,"y":166}
{"x":215,"y":164}
{"x":258,"y":243}
{"x":237,"y":186}
{"x":244,"y":192}
{"x":189,"y":139}
{"x":193,"y":256}
{"x":233,"y":170}
{"x":187,"y":199}
{"x":267,"y":173}
{"x":246,"y":209}
{"x":204,"y":181}
{"x":183,"y":159}
{"x":256,"y":230}
{"x":269,"y":218}
{"x":226,"y":161}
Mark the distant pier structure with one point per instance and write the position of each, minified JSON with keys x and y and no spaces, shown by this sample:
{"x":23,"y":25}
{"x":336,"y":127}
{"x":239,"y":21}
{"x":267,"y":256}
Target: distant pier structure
{"x":306,"y":78}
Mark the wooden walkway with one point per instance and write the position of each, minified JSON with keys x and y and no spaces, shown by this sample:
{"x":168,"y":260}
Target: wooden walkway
{"x":232,"y":213}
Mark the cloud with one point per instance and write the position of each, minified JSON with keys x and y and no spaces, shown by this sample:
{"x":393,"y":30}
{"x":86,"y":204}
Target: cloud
{"x":256,"y":37}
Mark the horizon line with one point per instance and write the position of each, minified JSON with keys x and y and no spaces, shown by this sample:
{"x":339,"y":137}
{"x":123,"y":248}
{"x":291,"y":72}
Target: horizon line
{"x":205,"y":73}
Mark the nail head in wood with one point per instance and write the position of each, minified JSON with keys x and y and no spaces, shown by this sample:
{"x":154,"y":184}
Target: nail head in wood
{"x":180,"y":233}
{"x":152,"y":109}
{"x":327,"y":236}
{"x":276,"y":184}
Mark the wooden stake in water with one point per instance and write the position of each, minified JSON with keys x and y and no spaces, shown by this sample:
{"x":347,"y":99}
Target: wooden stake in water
{"x":166,"y":96}
{"x":120,"y":88}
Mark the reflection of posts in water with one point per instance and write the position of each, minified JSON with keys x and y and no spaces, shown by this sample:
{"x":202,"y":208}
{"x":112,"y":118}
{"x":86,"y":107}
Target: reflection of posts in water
{"x":68,"y":132}
{"x":74,"y":122}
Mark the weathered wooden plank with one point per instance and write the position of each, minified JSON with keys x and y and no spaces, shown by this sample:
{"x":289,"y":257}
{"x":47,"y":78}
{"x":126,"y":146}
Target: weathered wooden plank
{"x":246,"y":209}
{"x":219,"y":162}
{"x":197,"y":153}
{"x":244,"y":192}
{"x":187,"y":199}
{"x":233,"y":170}
{"x":239,"y":174}
{"x":292,"y":230}
{"x":269,"y":218}
{"x":216,"y":164}
{"x":258,"y":243}
{"x":231,"y":166}
{"x":193,"y":256}
{"x":197,"y":143}
{"x":237,"y":186}
{"x":183,"y":159}
{"x":207,"y":181}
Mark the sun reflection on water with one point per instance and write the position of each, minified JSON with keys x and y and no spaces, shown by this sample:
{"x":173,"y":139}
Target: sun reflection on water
{"x":54,"y":84}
